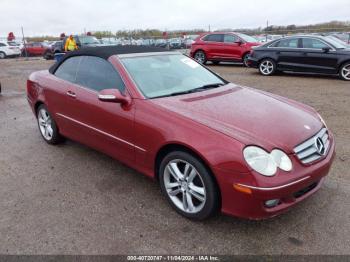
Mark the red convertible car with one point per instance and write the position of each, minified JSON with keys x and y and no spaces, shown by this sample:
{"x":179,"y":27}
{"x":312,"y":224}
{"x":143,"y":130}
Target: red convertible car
{"x":211,"y":144}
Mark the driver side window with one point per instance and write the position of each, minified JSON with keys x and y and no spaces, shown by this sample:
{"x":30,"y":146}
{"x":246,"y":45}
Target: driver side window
{"x":97,"y":74}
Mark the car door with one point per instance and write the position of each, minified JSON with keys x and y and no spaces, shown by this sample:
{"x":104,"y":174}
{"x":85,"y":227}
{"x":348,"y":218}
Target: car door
{"x":213,"y":45}
{"x":105,"y":126}
{"x":288,"y":53}
{"x":60,"y":93}
{"x":231,"y":49}
{"x":318,"y":56}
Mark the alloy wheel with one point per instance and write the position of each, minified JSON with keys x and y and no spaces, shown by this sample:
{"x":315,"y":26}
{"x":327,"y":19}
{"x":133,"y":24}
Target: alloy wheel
{"x":245,"y":60}
{"x":184,"y":186}
{"x":345,"y":72}
{"x":200,"y":57}
{"x":266,"y":67}
{"x":2,"y":55}
{"x":45,"y":124}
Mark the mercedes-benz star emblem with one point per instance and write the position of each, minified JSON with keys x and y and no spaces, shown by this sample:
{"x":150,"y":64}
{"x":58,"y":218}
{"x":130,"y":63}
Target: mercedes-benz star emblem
{"x":321,"y":149}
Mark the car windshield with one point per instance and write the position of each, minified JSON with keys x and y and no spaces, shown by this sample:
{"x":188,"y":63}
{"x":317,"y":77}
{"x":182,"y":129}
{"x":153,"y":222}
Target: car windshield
{"x":336,"y":42}
{"x":169,"y":74}
{"x":88,"y":40}
{"x":248,"y":38}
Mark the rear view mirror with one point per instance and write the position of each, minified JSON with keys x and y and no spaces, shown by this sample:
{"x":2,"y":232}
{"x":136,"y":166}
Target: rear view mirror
{"x":114,"y":95}
{"x":238,"y":42}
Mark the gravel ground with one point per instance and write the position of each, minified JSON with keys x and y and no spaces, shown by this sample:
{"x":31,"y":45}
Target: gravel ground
{"x":70,"y":199}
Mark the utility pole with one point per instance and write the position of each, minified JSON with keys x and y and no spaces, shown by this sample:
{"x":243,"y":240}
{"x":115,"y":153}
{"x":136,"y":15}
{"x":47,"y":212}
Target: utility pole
{"x":209,"y":28}
{"x":267,"y":25}
{"x":24,"y":43}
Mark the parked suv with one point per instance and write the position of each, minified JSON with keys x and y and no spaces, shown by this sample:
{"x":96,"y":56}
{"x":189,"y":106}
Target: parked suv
{"x":223,"y":46}
{"x":84,"y":41}
{"x":8,"y":50}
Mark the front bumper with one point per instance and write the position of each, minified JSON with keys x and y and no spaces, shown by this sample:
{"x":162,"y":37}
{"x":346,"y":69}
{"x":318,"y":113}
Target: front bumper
{"x":251,"y":205}
{"x":253,"y":62}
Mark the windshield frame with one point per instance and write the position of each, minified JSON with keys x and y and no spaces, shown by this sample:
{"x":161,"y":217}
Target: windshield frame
{"x":139,"y":90}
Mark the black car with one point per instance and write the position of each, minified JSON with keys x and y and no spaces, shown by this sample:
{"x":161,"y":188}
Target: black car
{"x":312,"y":54}
{"x":55,"y":47}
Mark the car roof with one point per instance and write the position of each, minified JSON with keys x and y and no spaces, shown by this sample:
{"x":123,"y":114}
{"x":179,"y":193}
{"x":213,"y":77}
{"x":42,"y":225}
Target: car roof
{"x":106,"y":52}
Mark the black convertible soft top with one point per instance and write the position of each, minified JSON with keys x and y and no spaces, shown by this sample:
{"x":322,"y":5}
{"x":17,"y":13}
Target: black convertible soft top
{"x":107,"y":51}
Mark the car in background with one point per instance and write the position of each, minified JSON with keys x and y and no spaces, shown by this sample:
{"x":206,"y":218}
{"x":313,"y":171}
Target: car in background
{"x":161,"y":43}
{"x":52,"y":49}
{"x":223,"y":47}
{"x":34,"y":49}
{"x":110,"y":41}
{"x":345,"y":37}
{"x":308,"y":53}
{"x":176,"y":43}
{"x":9,"y":49}
{"x":227,"y":147}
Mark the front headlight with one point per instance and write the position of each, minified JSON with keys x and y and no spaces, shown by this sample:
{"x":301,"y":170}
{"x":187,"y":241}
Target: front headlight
{"x":266,"y":163}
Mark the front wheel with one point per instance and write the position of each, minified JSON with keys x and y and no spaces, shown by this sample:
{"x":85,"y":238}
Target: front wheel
{"x":47,"y":126}
{"x":200,"y":57}
{"x":188,"y":186}
{"x":345,"y":72}
{"x":2,"y":55}
{"x":267,"y":67}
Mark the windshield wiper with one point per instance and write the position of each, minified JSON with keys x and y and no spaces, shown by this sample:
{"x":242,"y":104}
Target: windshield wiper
{"x":209,"y":86}
{"x":204,"y":87}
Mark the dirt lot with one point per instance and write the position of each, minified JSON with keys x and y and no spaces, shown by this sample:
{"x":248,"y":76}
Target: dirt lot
{"x":70,"y":199}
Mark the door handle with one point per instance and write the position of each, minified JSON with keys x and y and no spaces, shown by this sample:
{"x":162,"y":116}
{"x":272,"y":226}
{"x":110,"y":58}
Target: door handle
{"x":71,"y":94}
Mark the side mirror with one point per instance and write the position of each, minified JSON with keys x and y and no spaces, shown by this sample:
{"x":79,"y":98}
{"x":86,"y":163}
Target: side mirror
{"x":326,"y":49}
{"x":238,"y":42}
{"x":114,"y":96}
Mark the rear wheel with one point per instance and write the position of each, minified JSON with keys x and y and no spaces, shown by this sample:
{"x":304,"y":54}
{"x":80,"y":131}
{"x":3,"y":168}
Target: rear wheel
{"x":47,"y":126}
{"x":267,"y":67}
{"x":188,"y":186}
{"x":245,"y":60}
{"x":200,"y":57}
{"x":2,"y":55}
{"x":345,"y":72}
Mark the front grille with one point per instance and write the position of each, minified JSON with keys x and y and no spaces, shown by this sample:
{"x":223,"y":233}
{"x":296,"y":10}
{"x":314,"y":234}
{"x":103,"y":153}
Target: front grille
{"x":314,"y":148}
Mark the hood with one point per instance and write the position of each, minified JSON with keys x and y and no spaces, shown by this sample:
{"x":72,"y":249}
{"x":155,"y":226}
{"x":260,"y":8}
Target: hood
{"x":247,"y":115}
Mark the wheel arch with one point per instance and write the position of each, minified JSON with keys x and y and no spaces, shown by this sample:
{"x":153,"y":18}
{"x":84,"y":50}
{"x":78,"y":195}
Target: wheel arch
{"x":36,"y":106}
{"x":341,"y":65}
{"x":166,"y":149}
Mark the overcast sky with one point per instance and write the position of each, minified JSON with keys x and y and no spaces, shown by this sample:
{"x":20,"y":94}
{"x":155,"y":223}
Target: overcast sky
{"x":72,"y":16}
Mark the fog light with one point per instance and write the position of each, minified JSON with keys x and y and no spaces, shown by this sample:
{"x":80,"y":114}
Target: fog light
{"x":272,"y":202}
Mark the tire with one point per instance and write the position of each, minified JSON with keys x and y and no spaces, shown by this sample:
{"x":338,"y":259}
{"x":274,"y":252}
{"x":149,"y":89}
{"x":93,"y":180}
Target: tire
{"x":2,"y":55}
{"x":200,"y":57}
{"x":267,"y":67}
{"x":47,"y":126}
{"x":344,"y":71}
{"x":194,"y":193}
{"x":47,"y":56}
{"x":245,"y":59}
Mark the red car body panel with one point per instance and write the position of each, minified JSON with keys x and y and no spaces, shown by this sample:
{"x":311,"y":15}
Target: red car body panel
{"x":35,"y":49}
{"x":220,"y":51}
{"x":215,"y":125}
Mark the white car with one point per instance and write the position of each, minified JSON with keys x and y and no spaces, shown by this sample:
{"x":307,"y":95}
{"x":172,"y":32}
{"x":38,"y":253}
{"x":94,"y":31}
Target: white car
{"x":9,"y":49}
